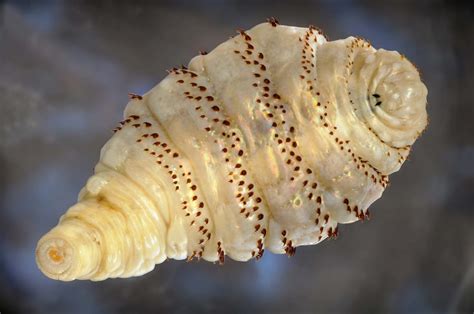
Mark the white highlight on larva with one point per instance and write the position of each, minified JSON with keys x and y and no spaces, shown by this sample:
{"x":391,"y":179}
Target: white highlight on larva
{"x":266,"y":143}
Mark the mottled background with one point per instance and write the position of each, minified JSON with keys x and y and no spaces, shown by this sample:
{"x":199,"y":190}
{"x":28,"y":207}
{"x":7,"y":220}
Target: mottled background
{"x":65,"y":70}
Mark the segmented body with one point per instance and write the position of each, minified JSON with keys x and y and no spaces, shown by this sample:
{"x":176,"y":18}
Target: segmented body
{"x":257,"y":145}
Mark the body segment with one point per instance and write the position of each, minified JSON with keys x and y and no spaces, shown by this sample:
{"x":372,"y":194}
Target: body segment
{"x":266,"y":143}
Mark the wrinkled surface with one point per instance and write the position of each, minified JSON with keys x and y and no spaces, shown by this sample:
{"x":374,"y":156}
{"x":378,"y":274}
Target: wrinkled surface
{"x":408,"y":265}
{"x":197,"y":139}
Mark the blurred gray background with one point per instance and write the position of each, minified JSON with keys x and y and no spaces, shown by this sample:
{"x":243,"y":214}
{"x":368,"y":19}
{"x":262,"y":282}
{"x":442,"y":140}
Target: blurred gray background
{"x":65,"y":70}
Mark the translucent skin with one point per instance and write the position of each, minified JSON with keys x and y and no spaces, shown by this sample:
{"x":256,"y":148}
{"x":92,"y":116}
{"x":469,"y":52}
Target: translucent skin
{"x":267,"y":142}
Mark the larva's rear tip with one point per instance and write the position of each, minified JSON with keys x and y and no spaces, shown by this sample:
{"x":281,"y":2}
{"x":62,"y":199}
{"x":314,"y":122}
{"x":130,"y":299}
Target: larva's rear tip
{"x":54,"y":257}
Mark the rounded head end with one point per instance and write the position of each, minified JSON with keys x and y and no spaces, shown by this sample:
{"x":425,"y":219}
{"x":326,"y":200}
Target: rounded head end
{"x":69,"y":251}
{"x":54,"y":257}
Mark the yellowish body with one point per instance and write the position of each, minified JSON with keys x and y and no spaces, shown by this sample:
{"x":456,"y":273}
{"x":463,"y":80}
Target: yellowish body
{"x":268,"y":142}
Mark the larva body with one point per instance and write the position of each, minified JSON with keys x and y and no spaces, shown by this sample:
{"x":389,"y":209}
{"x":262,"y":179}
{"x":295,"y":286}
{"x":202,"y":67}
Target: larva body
{"x":266,"y":143}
